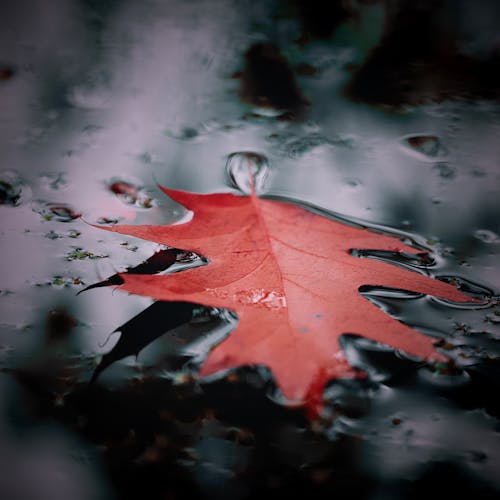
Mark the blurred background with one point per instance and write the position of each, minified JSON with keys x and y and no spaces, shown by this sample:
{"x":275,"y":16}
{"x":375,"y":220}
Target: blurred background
{"x":384,"y":112}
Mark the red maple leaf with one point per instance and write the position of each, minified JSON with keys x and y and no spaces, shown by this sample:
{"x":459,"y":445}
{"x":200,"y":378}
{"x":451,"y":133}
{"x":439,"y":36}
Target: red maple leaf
{"x":289,"y":275}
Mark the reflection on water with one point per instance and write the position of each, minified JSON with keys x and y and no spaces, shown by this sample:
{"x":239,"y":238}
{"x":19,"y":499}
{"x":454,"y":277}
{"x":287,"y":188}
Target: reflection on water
{"x":357,"y":111}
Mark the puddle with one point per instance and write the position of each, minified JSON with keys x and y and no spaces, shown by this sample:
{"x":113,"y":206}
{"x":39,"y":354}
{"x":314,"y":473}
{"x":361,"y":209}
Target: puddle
{"x":102,"y":103}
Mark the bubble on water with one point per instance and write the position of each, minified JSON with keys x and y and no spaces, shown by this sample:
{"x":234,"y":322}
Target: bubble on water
{"x":425,"y":147}
{"x":487,"y":236}
{"x":60,"y":212}
{"x":247,"y":171}
{"x":10,"y":188}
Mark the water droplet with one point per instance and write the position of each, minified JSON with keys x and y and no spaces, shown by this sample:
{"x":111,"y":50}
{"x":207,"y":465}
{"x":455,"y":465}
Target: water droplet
{"x":108,"y":220}
{"x":270,"y":299}
{"x":63,"y":213}
{"x":424,"y":146}
{"x":487,"y":236}
{"x":10,"y":188}
{"x":60,"y":212}
{"x":246,"y":170}
{"x":130,"y":194}
{"x":124,"y":190}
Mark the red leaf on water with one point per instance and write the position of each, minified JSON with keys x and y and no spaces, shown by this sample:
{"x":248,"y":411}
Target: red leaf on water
{"x":289,"y":275}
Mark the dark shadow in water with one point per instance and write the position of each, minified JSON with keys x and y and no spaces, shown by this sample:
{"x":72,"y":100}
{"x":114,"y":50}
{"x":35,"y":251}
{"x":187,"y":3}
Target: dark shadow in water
{"x":418,"y":60}
{"x":268,"y":81}
{"x":320,"y":19}
{"x":448,"y":480}
{"x":142,"y":329}
{"x":158,"y":262}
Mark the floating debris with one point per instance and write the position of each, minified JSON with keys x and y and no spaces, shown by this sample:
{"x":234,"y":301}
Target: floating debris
{"x":79,"y":253}
{"x":62,"y":281}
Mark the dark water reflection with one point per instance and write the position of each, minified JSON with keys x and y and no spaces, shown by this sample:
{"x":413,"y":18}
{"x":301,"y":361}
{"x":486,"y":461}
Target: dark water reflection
{"x":350,"y":113}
